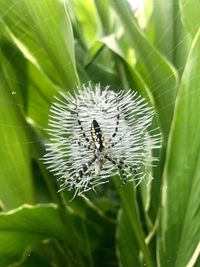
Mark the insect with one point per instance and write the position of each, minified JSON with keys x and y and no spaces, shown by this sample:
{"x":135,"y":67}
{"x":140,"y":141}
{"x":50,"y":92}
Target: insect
{"x":101,"y":149}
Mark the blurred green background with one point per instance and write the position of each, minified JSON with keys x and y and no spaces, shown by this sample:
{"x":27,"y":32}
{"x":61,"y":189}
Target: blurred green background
{"x":48,"y":46}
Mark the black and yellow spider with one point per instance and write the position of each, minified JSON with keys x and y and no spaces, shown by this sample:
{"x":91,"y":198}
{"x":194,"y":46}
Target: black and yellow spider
{"x":101,"y":149}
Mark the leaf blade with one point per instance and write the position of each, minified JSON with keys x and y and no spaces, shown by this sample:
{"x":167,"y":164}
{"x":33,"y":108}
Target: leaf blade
{"x":180,"y":202}
{"x":190,"y":15}
{"x":15,"y":164}
{"x":45,"y":37}
{"x":27,"y":226}
{"x":161,"y":75}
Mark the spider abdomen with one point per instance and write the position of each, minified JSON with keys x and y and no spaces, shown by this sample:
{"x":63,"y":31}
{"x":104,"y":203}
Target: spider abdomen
{"x":97,"y":135}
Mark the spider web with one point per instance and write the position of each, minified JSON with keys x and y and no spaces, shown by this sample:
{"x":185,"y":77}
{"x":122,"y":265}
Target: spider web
{"x":7,"y":145}
{"x":13,"y":94}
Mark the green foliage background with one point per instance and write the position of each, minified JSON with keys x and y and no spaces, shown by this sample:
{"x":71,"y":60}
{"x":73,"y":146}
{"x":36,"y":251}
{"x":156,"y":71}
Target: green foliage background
{"x":48,"y":46}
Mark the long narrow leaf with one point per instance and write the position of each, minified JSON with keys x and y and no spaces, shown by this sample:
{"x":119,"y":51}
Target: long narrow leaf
{"x":180,"y":227}
{"x":26,"y":227}
{"x":190,"y":15}
{"x":162,"y":75}
{"x":15,"y":175}
{"x":42,"y":30}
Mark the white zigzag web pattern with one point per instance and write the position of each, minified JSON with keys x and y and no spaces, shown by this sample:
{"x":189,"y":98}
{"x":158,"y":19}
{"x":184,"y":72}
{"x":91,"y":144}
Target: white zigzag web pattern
{"x":132,"y":142}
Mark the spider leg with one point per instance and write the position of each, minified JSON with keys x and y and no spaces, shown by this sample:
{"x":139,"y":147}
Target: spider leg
{"x":110,"y":140}
{"x":116,"y":142}
{"x":81,"y":126}
{"x":116,"y":126}
{"x":123,"y":168}
{"x":85,"y":167}
{"x":90,"y":146}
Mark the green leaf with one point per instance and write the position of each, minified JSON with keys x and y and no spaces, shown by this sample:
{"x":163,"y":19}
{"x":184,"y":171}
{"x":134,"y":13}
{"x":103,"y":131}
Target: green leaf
{"x":103,"y":12}
{"x":132,"y":218}
{"x":127,"y":247}
{"x":25,"y":227}
{"x":162,"y":27}
{"x":42,"y":31}
{"x":15,"y":70}
{"x":167,"y":32}
{"x":31,"y":87}
{"x":161,"y":77}
{"x":15,"y":177}
{"x":129,"y":76}
{"x":32,"y":261}
{"x":41,"y":93}
{"x":92,"y":53}
{"x":180,"y":214}
{"x":84,"y":17}
{"x":190,"y":15}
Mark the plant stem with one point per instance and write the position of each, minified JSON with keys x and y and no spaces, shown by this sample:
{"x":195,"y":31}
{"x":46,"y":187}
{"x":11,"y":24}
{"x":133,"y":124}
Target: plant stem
{"x":129,"y":205}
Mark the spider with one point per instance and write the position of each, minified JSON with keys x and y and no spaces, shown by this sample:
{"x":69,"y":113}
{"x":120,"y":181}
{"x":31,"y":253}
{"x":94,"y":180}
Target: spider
{"x":100,"y":149}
